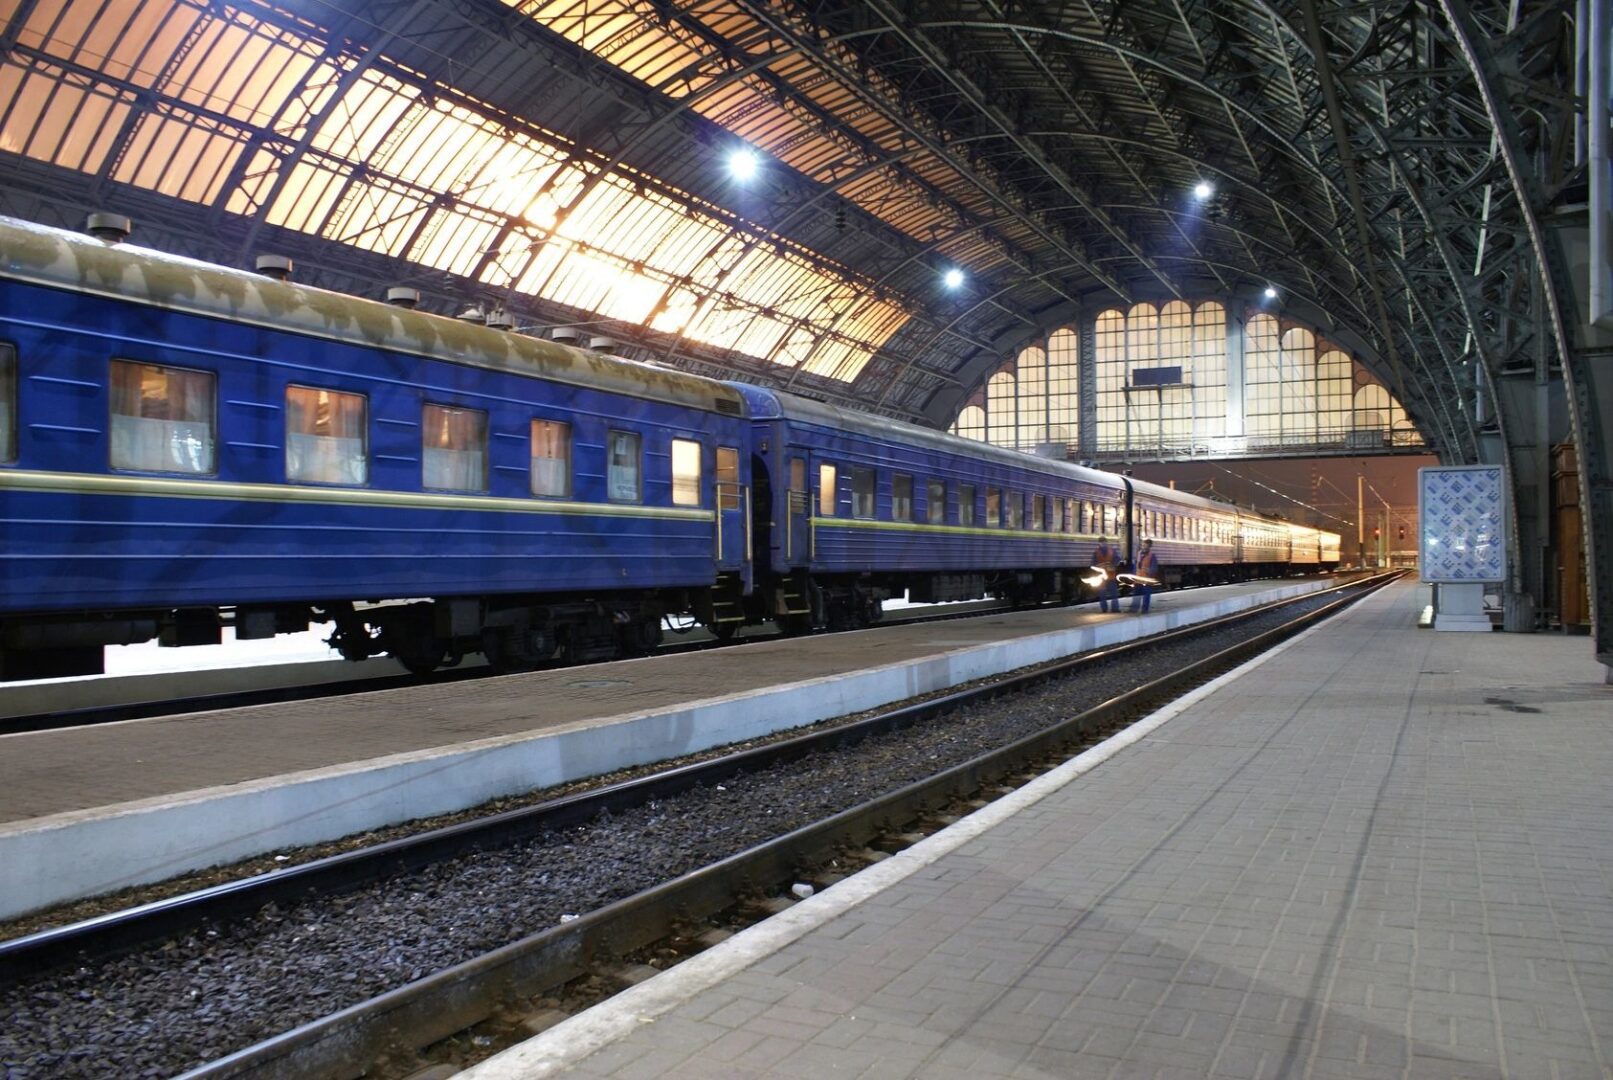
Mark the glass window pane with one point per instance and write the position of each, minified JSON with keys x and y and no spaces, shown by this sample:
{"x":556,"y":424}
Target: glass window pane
{"x":935,"y":500}
{"x":325,"y":436}
{"x":685,"y":473}
{"x":162,"y":418}
{"x":862,"y":493}
{"x":826,"y":490}
{"x":1039,"y":512}
{"x":551,"y":458}
{"x":622,"y":467}
{"x":797,"y":474}
{"x":8,"y":403}
{"x":966,"y":504}
{"x":453,"y":449}
{"x":994,"y":501}
{"x":901,"y":498}
{"x":727,"y":478}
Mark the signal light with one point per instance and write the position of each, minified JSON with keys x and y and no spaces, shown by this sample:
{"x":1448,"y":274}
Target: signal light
{"x":1402,"y":535}
{"x":1376,"y":533}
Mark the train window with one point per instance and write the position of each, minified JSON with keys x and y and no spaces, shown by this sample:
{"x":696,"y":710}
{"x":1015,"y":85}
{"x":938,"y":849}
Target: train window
{"x":1014,"y":508}
{"x":727,"y":478}
{"x":935,"y":501}
{"x":1039,"y":512}
{"x":326,"y":433}
{"x":8,"y":403}
{"x":966,"y":504}
{"x":1109,"y":521}
{"x":862,"y":493}
{"x":994,"y":502}
{"x":162,"y":418}
{"x":551,"y":458}
{"x":623,"y":466}
{"x":453,"y":449}
{"x":827,"y":493}
{"x":685,"y":473}
{"x":901,"y":497}
{"x":797,"y":475}
{"x":1069,"y":516}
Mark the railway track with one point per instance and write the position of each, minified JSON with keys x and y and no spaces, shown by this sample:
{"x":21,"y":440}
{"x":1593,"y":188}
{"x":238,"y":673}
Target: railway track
{"x":363,"y":1032}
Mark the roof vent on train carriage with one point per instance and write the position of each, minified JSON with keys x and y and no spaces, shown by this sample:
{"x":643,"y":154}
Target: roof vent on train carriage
{"x":113,"y":228}
{"x":403,"y":296}
{"x":566,"y":335}
{"x":473,"y":314}
{"x":608,"y":346}
{"x":499,"y":319}
{"x":275,"y":266}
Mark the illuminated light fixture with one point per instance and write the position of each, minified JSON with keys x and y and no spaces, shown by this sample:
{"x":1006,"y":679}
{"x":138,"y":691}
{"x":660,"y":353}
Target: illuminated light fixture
{"x":1271,"y":292}
{"x":953,"y":278}
{"x":1202,"y":190}
{"x":743,"y":164}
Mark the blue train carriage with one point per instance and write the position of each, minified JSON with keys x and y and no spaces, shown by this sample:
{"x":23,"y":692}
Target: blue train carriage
{"x":1264,"y":546}
{"x":184,"y":446}
{"x":1194,"y":537}
{"x":853,"y":509}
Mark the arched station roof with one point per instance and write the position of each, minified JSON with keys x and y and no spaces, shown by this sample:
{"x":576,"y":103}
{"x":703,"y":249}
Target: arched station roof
{"x":1409,"y":176}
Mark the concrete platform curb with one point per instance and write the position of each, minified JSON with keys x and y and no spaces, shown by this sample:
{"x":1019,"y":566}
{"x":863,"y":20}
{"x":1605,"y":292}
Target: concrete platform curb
{"x":62,"y":857}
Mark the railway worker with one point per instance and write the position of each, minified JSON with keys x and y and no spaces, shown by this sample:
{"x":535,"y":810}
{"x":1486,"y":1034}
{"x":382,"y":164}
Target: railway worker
{"x":1107,"y":559}
{"x":1148,"y":569}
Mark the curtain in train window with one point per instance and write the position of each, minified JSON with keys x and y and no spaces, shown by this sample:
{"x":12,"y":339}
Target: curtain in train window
{"x":935,"y":502}
{"x":685,"y":473}
{"x":1039,"y":512}
{"x":162,"y":418}
{"x":551,"y":458}
{"x":827,"y":495}
{"x":901,"y":497}
{"x":862,"y":493}
{"x":453,"y":449}
{"x":8,"y":403}
{"x":994,"y":502}
{"x":623,"y":467}
{"x":325,"y":436}
{"x":966,"y":504}
{"x":727,"y":478}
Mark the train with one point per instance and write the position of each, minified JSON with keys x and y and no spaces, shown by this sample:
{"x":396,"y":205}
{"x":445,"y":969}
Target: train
{"x":186,"y":447}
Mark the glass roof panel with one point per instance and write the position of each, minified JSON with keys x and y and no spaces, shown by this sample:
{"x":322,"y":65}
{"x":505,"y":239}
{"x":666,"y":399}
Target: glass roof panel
{"x":382,"y":150}
{"x":748,"y":107}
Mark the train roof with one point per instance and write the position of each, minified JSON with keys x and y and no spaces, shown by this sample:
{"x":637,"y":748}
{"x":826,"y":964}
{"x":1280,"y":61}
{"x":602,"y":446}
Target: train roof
{"x":58,"y":258}
{"x":766,"y":404}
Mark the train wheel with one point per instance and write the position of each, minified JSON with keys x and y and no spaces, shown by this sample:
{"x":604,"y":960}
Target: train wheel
{"x":410,"y":638}
{"x":511,"y":649}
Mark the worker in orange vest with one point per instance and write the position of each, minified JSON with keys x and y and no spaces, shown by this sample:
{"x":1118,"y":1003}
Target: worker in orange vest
{"x":1147,"y":567}
{"x":1106,"y":558}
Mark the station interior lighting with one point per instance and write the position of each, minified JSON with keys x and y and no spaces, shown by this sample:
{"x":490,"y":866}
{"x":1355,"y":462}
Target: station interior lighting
{"x":1202,"y":190}
{"x":1271,"y":292}
{"x":953,"y":278}
{"x":743,"y":164}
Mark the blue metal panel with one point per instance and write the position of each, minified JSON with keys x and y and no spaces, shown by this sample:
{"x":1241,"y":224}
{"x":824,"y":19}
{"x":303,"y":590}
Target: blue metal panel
{"x":68,"y":546}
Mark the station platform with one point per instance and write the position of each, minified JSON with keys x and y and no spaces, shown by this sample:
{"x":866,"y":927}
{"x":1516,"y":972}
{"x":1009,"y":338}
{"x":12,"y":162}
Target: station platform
{"x":88,"y":811}
{"x":1379,"y":851}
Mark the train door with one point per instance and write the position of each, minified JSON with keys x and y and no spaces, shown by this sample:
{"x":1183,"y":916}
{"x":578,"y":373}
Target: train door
{"x":797,"y":536}
{"x":733,"y":516}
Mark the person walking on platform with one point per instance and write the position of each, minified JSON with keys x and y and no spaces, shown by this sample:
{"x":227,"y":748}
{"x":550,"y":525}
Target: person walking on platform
{"x":1106,"y":558}
{"x":1148,"y":570}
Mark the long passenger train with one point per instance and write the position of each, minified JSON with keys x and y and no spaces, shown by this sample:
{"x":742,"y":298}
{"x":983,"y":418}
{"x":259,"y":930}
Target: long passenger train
{"x":184,"y":447}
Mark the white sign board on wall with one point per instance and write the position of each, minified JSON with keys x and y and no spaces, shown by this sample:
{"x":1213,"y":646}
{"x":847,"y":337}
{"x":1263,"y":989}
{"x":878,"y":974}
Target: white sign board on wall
{"x":1462,"y":524}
